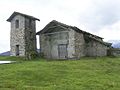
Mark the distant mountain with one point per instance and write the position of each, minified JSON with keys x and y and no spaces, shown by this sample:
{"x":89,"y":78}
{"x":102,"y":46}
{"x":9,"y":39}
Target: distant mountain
{"x":115,"y":43}
{"x":5,"y":53}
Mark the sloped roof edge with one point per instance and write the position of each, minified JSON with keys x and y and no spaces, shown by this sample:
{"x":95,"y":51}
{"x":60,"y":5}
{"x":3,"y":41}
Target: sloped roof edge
{"x":68,"y":26}
{"x":53,"y":21}
{"x":16,"y":13}
{"x":102,"y":42}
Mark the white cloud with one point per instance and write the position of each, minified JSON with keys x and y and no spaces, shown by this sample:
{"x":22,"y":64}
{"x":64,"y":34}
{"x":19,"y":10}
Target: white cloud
{"x":111,"y":32}
{"x":96,"y":16}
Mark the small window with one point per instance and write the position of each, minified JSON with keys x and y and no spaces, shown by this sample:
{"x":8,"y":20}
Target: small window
{"x":30,"y":23}
{"x":17,"y":23}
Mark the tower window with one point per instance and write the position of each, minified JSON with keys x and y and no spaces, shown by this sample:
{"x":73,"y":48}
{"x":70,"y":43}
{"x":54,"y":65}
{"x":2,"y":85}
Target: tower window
{"x":30,"y":23}
{"x":17,"y":23}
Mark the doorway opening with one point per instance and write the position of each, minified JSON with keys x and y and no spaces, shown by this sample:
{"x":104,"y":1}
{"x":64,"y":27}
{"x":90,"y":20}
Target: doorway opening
{"x":62,"y":51}
{"x":17,"y":50}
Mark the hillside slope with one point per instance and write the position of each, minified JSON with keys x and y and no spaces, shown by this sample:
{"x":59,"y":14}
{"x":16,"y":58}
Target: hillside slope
{"x":85,"y":74}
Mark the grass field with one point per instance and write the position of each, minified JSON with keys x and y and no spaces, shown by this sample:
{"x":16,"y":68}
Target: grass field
{"x":85,"y":74}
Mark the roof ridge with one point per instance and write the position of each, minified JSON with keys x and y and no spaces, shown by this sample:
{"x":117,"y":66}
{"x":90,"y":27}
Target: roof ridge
{"x":63,"y":24}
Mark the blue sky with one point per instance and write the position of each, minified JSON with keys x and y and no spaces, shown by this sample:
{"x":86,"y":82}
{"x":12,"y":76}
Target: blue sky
{"x":100,"y":17}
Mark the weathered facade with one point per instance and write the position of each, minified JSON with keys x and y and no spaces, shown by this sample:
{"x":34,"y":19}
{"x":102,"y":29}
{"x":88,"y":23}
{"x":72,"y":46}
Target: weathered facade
{"x":23,"y":34}
{"x":113,"y":52}
{"x":57,"y":40}
{"x":61,"y":41}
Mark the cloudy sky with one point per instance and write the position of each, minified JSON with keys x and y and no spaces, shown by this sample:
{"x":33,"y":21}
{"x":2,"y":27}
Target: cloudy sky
{"x":100,"y":17}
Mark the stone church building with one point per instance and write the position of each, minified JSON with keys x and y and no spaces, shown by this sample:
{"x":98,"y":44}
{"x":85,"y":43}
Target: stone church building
{"x":61,"y":41}
{"x":57,"y":40}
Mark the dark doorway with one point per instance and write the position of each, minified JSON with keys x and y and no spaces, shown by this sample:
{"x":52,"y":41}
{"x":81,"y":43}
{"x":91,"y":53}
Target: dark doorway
{"x":17,"y":50}
{"x":62,"y":51}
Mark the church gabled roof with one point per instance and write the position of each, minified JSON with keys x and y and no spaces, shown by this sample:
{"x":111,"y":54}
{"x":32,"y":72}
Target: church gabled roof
{"x":56,"y":23}
{"x":16,"y":13}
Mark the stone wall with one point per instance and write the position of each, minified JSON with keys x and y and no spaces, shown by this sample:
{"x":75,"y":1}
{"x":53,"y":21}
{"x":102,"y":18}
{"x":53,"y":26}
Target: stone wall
{"x":45,"y":46}
{"x":71,"y":44}
{"x":76,"y":45}
{"x":49,"y":43}
{"x":30,"y":36}
{"x":79,"y":45}
{"x":17,"y":36}
{"x":95,"y":48}
{"x":113,"y":52}
{"x":24,"y":36}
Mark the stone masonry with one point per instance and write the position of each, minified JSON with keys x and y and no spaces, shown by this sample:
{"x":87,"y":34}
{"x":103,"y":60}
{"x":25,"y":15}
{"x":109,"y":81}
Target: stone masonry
{"x":23,"y":34}
{"x":61,"y":41}
{"x":57,"y":40}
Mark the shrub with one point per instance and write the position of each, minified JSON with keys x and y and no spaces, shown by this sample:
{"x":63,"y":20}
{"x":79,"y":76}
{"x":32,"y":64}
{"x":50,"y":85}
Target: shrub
{"x":31,"y":55}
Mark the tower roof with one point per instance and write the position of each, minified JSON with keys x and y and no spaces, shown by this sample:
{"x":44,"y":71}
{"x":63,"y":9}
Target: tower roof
{"x":16,"y":13}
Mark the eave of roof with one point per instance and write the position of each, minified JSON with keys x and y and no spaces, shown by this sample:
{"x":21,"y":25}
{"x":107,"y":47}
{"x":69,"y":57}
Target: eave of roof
{"x":16,"y":13}
{"x":38,"y":32}
{"x":102,"y":42}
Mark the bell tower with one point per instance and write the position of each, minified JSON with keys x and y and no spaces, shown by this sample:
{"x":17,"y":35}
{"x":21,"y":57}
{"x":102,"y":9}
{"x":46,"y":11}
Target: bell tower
{"x":23,"y":34}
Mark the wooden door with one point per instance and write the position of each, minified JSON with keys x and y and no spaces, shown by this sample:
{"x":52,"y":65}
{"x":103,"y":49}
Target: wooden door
{"x":62,"y":51}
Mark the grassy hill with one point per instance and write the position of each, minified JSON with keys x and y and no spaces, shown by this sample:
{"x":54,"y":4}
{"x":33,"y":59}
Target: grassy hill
{"x":39,"y":74}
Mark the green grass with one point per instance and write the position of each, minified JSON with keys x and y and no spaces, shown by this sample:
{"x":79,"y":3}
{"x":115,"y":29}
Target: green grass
{"x":39,"y":74}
